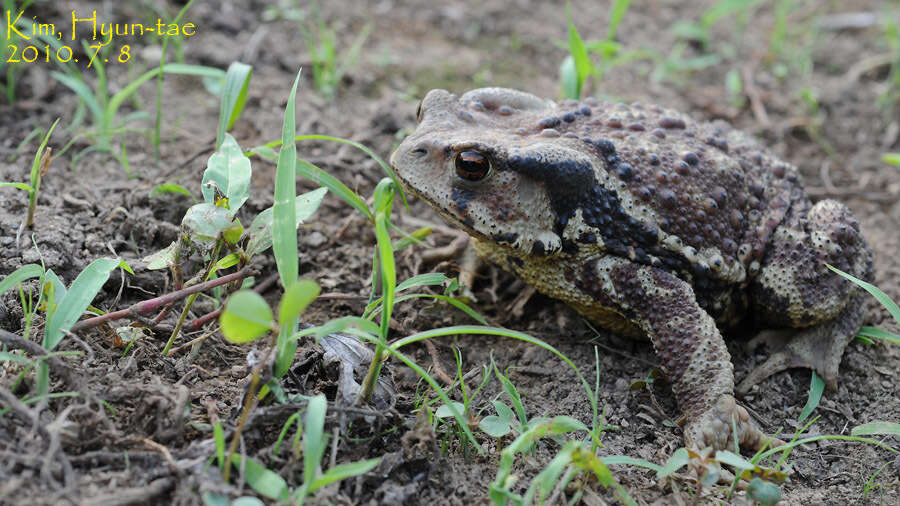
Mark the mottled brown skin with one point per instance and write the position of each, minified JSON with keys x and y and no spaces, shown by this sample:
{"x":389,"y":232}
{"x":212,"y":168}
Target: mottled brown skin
{"x":647,"y":223}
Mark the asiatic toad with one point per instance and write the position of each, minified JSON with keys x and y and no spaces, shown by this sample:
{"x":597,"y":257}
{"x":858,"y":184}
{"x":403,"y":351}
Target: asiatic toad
{"x":647,"y":223}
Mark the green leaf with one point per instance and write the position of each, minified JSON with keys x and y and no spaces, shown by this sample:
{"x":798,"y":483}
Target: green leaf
{"x":891,"y":158}
{"x":78,"y":298}
{"x":219,"y":439}
{"x":247,"y":501}
{"x":763,"y":492}
{"x":444,"y":410}
{"x":84,"y":93}
{"x":867,"y":332}
{"x":679,"y":459}
{"x":12,"y":357}
{"x":616,"y":13}
{"x":880,"y":296}
{"x":21,"y":186}
{"x":816,"y":387}
{"x":876,"y":428}
{"x":343,"y":471}
{"x":428,"y":279}
{"x":284,"y":225}
{"x":19,"y":275}
{"x":233,"y":233}
{"x":583,"y":65}
{"x":613,"y":460}
{"x":264,"y":482}
{"x":504,"y":411}
{"x":162,"y":258}
{"x":563,"y":424}
{"x":260,"y":231}
{"x":733,"y":459}
{"x":295,"y":300}
{"x":336,"y":187}
{"x":227,"y":261}
{"x":234,"y":95}
{"x":568,"y":78}
{"x":204,"y":222}
{"x":494,"y":426}
{"x":230,"y":171}
{"x":246,"y":317}
{"x":171,"y":188}
{"x":314,"y":437}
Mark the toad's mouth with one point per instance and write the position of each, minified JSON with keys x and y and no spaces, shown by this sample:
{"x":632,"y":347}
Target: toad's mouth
{"x":466,"y":225}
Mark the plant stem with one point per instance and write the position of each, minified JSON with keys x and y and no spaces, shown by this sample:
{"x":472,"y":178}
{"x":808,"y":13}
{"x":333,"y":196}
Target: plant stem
{"x":151,"y":305}
{"x":249,"y":403}
{"x":190,"y":301}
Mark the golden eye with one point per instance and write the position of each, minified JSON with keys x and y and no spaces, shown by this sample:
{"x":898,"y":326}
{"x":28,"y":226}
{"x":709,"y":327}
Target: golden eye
{"x":472,"y":166}
{"x":419,"y":112}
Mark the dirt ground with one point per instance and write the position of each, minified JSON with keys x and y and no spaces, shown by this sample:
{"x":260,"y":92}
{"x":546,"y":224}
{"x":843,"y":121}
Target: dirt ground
{"x":152,"y":443}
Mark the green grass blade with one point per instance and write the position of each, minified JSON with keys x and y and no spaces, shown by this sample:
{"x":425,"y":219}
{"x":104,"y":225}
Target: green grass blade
{"x":171,"y":188}
{"x":336,"y":187}
{"x":266,"y":483}
{"x":313,"y":437}
{"x":816,"y":387}
{"x":891,"y":158}
{"x":879,"y":334}
{"x":19,"y":275}
{"x":284,"y":225}
{"x":21,"y":186}
{"x":234,"y":95}
{"x":84,"y":93}
{"x":343,"y":471}
{"x":616,"y":13}
{"x":315,"y":137}
{"x":880,"y":296}
{"x":583,"y":65}
{"x":876,"y":428}
{"x":284,"y":229}
{"x":78,"y":298}
{"x":625,"y":460}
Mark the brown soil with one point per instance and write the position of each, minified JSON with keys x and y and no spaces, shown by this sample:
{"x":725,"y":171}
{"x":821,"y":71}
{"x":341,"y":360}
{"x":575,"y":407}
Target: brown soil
{"x":153,"y":443}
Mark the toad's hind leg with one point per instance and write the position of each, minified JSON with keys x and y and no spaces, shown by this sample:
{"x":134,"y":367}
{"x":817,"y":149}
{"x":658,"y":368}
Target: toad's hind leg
{"x":795,"y":289}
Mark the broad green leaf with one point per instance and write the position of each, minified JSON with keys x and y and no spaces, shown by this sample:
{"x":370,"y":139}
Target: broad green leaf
{"x":876,"y":428}
{"x":733,"y":459}
{"x":19,"y":275}
{"x":264,"y":482}
{"x":233,"y":234}
{"x":260,"y":231}
{"x":230,"y":171}
{"x":343,"y":471}
{"x":78,"y":298}
{"x":21,"y":186}
{"x":504,"y":411}
{"x":763,"y":492}
{"x":234,"y":95}
{"x":246,"y":317}
{"x":171,"y":188}
{"x":562,"y":424}
{"x":494,"y":426}
{"x":162,"y":258}
{"x":444,"y":410}
{"x":314,"y":441}
{"x":679,"y":459}
{"x":295,"y":300}
{"x":204,"y":222}
{"x":891,"y":158}
{"x":247,"y":501}
{"x":129,"y":334}
{"x":816,"y":387}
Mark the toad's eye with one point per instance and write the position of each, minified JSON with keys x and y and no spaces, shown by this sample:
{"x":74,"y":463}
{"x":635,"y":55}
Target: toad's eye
{"x":472,"y":166}
{"x":419,"y":112}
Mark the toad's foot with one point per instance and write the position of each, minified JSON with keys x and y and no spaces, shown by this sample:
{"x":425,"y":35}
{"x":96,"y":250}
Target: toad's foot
{"x":819,"y":348}
{"x":717,"y":427}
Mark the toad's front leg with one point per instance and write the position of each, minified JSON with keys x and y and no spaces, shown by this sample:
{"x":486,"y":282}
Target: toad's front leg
{"x":689,"y":345}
